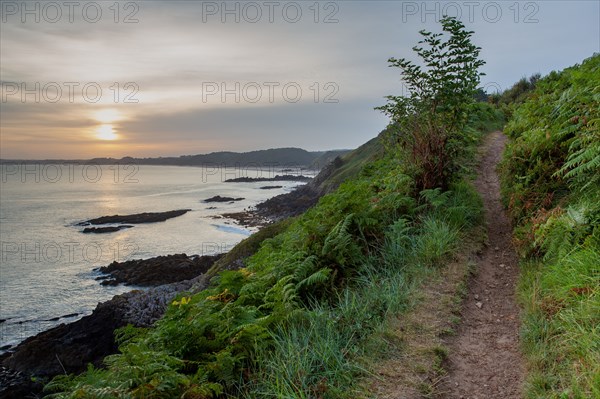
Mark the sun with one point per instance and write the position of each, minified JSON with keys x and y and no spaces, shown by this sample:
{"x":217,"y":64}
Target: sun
{"x":107,"y":115}
{"x":106,"y":132}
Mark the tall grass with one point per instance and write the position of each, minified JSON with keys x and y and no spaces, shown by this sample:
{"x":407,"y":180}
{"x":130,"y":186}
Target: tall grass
{"x":549,"y":180}
{"x":320,"y":355}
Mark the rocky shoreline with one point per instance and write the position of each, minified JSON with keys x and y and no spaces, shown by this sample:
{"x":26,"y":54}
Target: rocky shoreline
{"x":263,"y":179}
{"x":68,"y":348}
{"x":71,"y":347}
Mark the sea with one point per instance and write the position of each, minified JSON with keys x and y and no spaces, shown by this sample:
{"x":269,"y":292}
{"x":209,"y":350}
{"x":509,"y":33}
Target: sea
{"x":47,"y":265}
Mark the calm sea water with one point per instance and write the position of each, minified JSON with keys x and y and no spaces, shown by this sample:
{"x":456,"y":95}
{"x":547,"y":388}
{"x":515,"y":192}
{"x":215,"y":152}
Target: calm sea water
{"x":46,"y":262}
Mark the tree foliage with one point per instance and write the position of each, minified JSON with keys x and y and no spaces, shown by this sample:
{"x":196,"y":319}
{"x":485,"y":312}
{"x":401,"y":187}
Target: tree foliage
{"x":429,"y":123}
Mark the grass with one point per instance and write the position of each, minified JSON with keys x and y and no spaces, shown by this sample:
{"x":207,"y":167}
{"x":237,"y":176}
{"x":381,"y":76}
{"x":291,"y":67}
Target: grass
{"x":337,"y":346}
{"x":235,"y":257}
{"x":549,"y":181}
{"x":561,"y":334}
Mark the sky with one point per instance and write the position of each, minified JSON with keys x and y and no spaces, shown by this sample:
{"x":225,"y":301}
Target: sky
{"x":87,"y":79}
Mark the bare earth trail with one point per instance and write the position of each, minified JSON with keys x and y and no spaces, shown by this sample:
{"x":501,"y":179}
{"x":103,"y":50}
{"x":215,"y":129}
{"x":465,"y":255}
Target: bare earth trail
{"x":484,"y":361}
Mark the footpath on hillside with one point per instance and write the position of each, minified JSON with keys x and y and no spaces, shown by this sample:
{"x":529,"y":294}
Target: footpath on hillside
{"x":484,"y":361}
{"x":452,"y":348}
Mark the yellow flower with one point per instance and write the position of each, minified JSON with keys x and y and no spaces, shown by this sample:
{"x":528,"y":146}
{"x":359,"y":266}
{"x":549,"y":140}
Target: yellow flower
{"x":184,"y":301}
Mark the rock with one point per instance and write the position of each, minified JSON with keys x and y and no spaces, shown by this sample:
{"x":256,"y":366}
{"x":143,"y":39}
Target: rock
{"x":270,"y":187}
{"x":158,"y":270}
{"x":84,"y":341}
{"x":502,"y":265}
{"x":17,"y":385}
{"x":276,"y":178}
{"x":300,"y":199}
{"x":108,"y":229}
{"x":247,"y":219}
{"x":146,"y":217}
{"x":479,"y":304}
{"x":218,"y":198}
{"x":476,"y":296}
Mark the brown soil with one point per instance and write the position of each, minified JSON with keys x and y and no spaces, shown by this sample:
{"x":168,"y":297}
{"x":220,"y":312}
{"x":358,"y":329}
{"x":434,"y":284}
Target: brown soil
{"x":484,"y":361}
{"x":412,"y":364}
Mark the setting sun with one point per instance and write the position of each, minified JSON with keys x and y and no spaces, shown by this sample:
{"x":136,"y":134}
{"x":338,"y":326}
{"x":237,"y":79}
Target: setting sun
{"x":106,"y":132}
{"x":107,"y":115}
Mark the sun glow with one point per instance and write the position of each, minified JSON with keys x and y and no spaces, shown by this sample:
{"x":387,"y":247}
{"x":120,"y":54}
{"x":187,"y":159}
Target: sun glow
{"x":107,"y":118}
{"x":108,"y":115}
{"x":106,"y":132}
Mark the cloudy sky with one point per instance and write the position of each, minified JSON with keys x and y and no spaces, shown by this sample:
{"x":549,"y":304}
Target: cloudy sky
{"x":149,"y":78}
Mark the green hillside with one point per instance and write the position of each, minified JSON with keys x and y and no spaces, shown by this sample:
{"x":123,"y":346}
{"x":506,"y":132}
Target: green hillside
{"x":551,"y":184}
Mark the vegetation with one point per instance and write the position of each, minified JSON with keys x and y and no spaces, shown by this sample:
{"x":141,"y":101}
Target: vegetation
{"x":296,"y":321}
{"x":430,"y":122}
{"x":516,"y":95}
{"x":550,"y":174}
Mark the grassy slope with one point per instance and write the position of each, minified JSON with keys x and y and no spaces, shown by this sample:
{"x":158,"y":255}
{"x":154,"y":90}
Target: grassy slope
{"x":348,"y":167}
{"x":551,"y":176}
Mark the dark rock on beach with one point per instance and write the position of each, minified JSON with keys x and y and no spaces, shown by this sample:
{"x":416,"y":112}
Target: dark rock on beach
{"x":146,"y":217}
{"x":107,"y":229}
{"x":247,"y":218}
{"x":156,"y":271}
{"x":289,"y":204}
{"x":270,"y":187}
{"x":299,"y":200}
{"x":276,"y":178}
{"x":17,"y":385}
{"x":70,"y":347}
{"x":218,"y":198}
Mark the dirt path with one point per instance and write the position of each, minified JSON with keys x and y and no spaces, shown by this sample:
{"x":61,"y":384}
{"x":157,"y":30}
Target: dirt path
{"x":483,"y":357}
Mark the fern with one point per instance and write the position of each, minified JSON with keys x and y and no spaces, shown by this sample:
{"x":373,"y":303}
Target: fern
{"x":319,"y":277}
{"x":435,"y":197}
{"x":339,"y":245}
{"x":583,"y":163}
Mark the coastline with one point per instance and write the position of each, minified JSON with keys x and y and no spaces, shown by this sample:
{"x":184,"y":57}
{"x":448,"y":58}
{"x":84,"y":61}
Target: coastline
{"x":70,"y":347}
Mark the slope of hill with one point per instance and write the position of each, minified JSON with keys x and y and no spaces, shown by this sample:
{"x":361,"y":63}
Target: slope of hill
{"x":343,"y":167}
{"x":551,"y":184}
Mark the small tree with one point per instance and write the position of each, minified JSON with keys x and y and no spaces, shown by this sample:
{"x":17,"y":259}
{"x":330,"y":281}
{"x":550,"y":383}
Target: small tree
{"x":429,"y":123}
